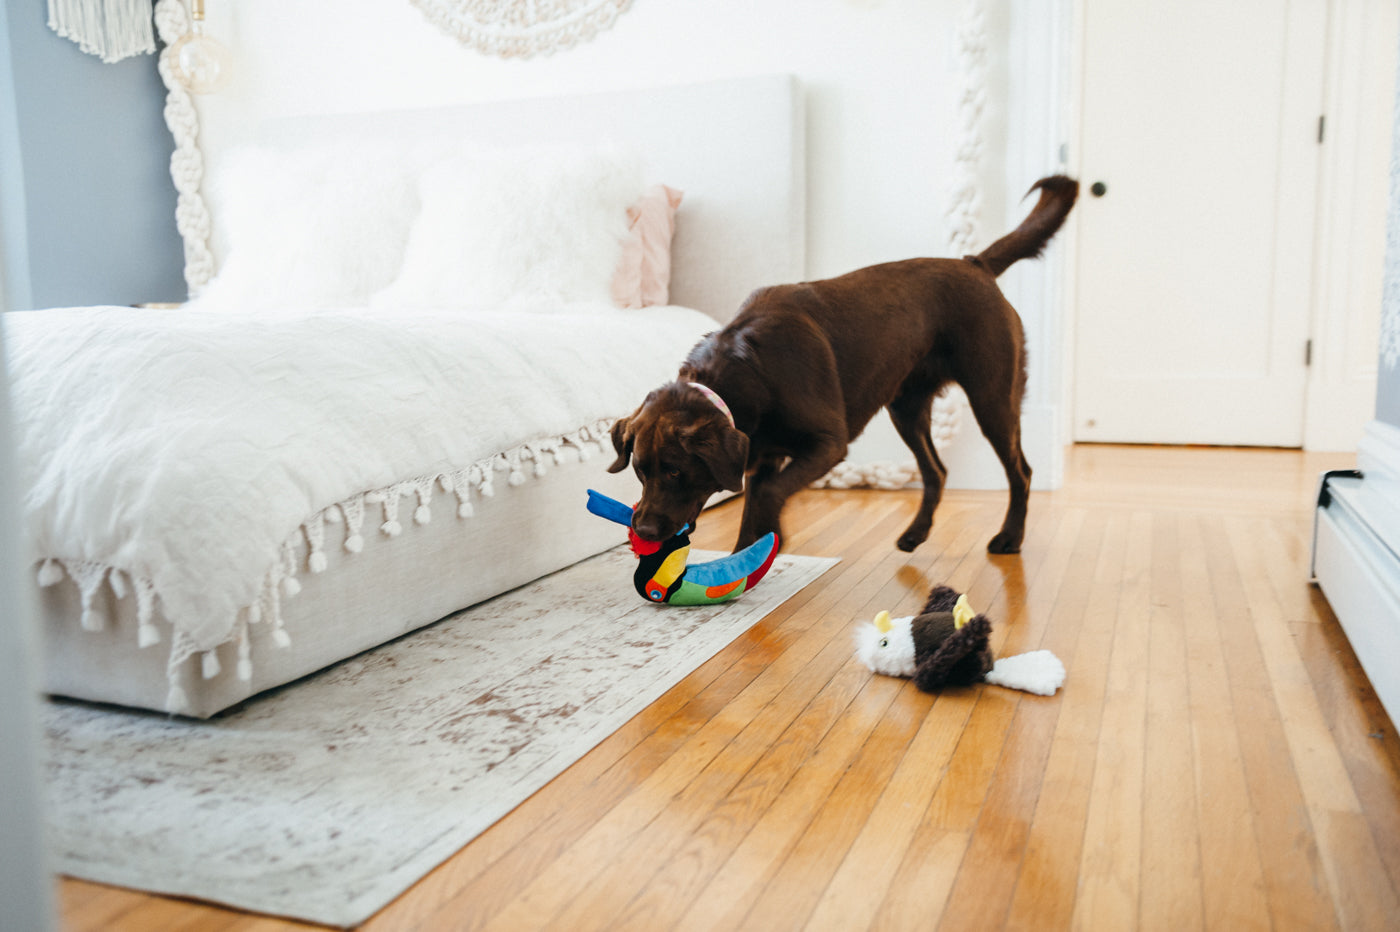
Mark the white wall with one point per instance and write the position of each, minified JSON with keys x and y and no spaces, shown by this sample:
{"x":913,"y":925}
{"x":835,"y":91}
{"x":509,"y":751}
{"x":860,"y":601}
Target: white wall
{"x":878,"y":75}
{"x":881,"y":78}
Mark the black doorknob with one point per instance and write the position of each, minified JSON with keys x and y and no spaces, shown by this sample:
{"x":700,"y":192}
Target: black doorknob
{"x":1098,"y":189}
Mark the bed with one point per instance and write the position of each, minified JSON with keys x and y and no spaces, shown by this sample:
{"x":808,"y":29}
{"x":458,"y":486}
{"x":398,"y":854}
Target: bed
{"x":388,"y":403}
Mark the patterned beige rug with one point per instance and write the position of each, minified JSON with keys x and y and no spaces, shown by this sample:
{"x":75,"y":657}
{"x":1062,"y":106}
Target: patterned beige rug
{"x":326,"y":799}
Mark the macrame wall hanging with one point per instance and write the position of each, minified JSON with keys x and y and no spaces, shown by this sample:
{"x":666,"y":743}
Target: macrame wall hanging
{"x":522,"y":28}
{"x":965,"y":204}
{"x":186,"y":162}
{"x":110,"y":29}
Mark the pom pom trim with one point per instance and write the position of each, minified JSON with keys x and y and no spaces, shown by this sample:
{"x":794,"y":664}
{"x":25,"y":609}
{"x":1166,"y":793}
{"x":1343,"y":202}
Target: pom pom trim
{"x":306,"y":547}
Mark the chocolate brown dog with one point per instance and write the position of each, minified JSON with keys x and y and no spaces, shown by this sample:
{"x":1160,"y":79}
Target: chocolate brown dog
{"x":782,"y":390}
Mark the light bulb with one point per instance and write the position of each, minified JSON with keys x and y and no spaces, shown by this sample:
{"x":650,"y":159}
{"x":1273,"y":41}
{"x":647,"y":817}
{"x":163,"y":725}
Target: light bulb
{"x":201,"y":63}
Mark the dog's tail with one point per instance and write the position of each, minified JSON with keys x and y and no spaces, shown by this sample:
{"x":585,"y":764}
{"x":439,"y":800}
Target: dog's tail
{"x":1027,"y":241}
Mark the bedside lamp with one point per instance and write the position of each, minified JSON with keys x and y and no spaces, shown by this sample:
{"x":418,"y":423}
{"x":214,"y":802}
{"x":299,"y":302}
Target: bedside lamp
{"x":201,"y":63}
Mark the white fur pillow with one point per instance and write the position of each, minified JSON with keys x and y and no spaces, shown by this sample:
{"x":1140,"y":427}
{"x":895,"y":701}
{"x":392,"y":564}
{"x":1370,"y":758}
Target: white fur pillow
{"x":311,"y":225}
{"x":524,"y":227}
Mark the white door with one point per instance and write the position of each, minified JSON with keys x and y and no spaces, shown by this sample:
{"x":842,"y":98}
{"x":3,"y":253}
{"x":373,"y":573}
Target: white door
{"x":1199,"y":124}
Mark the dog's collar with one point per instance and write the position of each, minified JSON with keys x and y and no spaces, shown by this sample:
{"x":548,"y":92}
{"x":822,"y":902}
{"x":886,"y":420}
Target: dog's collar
{"x":715,"y":399}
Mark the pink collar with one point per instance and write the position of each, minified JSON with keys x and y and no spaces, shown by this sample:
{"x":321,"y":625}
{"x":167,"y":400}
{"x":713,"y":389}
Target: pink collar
{"x":715,"y":398}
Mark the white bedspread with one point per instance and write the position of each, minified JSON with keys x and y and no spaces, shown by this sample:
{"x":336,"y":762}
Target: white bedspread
{"x":184,"y":450}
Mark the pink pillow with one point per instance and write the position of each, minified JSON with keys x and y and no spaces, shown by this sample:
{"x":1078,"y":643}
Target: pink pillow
{"x":643,"y":276}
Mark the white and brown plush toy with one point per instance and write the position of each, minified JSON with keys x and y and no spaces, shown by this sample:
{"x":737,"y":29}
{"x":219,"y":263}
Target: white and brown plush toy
{"x":948,"y":644}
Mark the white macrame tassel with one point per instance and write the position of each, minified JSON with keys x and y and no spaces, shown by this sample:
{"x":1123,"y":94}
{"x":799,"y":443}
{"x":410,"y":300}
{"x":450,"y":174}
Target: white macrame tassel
{"x":460,"y":482}
{"x":423,"y":514}
{"x":50,"y":573}
{"x":89,"y":577}
{"x":514,"y":468}
{"x":486,"y":482}
{"x":176,"y":702}
{"x":117,"y":580}
{"x":181,"y":649}
{"x":110,"y":29}
{"x":353,"y":511}
{"x":272,"y":610}
{"x":582,"y":440}
{"x":389,"y":500}
{"x":316,"y":542}
{"x":245,"y":658}
{"x":290,"y":584}
{"x":147,"y":634}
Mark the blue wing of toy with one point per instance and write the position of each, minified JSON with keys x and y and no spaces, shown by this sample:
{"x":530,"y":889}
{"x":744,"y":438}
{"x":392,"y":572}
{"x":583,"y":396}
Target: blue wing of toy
{"x":610,"y":508}
{"x":735,"y":566}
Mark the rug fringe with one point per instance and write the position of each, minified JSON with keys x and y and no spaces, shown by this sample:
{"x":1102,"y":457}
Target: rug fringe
{"x":280,"y":580}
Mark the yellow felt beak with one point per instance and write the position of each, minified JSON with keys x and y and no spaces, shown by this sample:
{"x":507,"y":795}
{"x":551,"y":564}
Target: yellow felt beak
{"x":882,"y":623}
{"x":962,"y":612}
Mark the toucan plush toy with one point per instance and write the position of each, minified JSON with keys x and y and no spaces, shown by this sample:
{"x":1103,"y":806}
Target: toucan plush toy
{"x":662,"y":574}
{"x":948,"y":644}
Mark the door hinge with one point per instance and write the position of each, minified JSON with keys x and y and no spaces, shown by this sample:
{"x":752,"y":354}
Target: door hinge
{"x":1307,"y":353}
{"x":1321,"y":128}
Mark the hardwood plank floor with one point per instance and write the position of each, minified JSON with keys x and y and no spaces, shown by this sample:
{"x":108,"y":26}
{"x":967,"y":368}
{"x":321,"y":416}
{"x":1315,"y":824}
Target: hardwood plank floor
{"x":1216,"y":758}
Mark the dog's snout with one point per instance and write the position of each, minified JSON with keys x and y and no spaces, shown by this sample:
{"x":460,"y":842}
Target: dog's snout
{"x":647,"y":528}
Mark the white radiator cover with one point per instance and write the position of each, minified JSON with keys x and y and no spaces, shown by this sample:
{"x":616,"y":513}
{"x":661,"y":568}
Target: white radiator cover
{"x":1356,"y":557}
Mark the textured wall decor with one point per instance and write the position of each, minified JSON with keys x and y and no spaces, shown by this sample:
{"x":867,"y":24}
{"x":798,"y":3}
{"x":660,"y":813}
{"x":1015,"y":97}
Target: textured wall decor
{"x":522,"y":28}
{"x":186,"y":162}
{"x":110,"y":29}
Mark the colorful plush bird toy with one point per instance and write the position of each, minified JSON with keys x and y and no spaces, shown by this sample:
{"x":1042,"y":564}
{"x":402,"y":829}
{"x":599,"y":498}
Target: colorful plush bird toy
{"x":662,"y":574}
{"x":948,"y":644}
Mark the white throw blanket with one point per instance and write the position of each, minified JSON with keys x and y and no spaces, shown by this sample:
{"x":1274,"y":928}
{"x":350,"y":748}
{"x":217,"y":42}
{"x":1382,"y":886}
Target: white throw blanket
{"x":183,"y":453}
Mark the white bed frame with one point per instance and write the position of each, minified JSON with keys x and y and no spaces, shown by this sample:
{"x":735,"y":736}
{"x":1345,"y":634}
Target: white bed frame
{"x":735,"y":147}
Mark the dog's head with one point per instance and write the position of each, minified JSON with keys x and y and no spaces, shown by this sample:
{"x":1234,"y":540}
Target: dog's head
{"x":684,"y":450}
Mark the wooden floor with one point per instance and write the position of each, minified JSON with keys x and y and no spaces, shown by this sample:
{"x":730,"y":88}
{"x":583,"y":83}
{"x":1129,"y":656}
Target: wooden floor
{"x":1216,"y":758}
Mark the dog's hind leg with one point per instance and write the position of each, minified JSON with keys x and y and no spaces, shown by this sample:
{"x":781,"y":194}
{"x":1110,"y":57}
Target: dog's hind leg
{"x":912,"y":414}
{"x":998,"y":414}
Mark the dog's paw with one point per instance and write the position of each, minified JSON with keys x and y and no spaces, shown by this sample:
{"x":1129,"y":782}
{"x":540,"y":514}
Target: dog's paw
{"x":909,"y":540}
{"x":1004,"y":543}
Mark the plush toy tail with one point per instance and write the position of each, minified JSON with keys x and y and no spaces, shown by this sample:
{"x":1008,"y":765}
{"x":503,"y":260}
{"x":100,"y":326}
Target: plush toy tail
{"x":1038,"y":672}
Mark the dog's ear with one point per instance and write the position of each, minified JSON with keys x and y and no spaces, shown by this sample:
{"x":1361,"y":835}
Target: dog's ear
{"x":724,"y":450}
{"x":622,"y":437}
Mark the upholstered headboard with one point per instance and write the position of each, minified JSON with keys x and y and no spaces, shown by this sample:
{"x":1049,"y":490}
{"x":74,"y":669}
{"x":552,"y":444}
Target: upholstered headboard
{"x":734,"y":146}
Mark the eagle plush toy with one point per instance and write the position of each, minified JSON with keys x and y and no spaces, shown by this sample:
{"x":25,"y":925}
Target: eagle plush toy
{"x":948,"y":644}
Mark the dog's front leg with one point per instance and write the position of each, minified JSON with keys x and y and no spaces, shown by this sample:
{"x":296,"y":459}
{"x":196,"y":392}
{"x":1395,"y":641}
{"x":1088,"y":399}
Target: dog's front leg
{"x":770,"y":486}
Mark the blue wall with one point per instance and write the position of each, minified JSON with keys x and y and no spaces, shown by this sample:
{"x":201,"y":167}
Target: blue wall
{"x":88,"y":204}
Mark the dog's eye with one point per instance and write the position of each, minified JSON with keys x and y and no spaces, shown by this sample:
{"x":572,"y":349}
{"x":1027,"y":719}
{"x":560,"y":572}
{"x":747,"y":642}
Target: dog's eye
{"x":673,"y":474}
{"x":884,"y":642}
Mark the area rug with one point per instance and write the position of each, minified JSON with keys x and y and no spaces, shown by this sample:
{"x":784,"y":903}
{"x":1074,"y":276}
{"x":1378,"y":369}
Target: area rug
{"x":327,"y":798}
